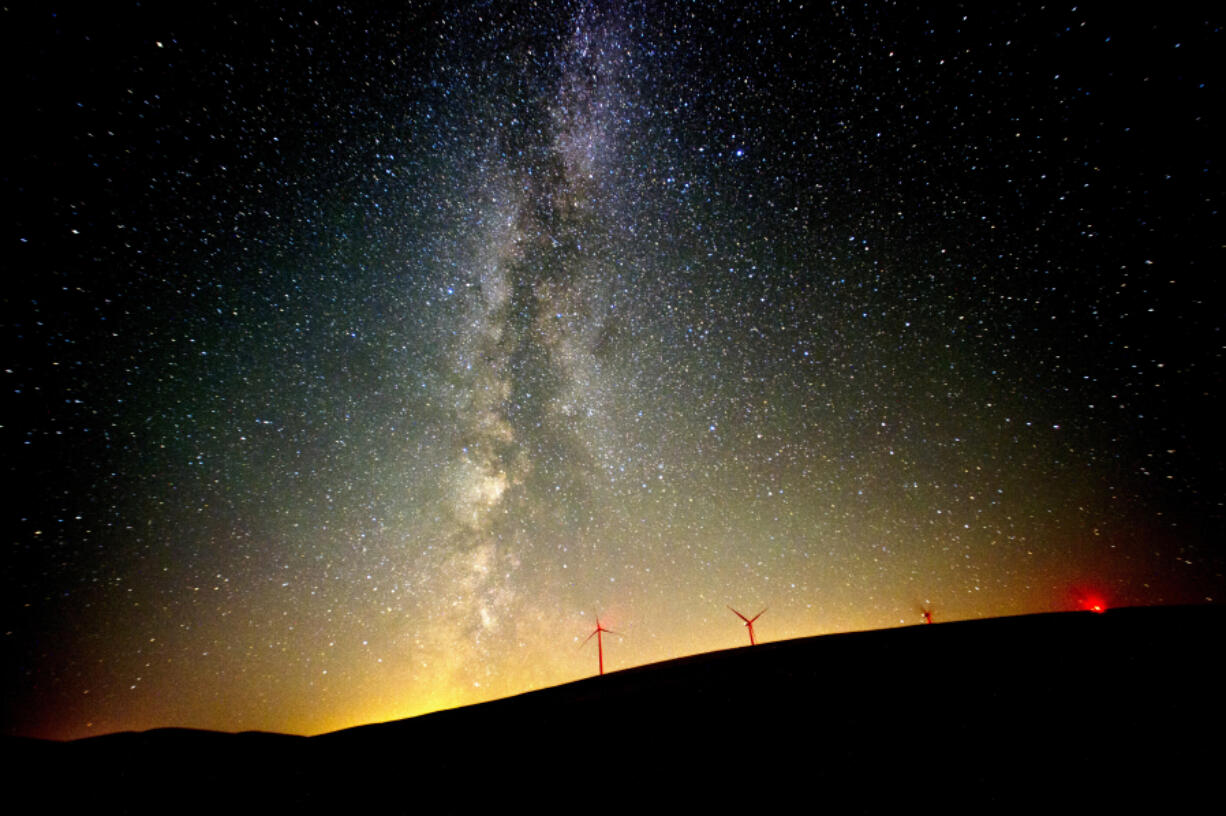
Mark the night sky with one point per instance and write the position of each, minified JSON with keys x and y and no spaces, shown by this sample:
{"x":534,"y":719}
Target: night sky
{"x":356,"y":361}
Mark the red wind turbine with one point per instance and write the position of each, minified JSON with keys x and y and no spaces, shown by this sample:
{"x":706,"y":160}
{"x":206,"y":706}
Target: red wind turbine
{"x":597,"y":632}
{"x":926,"y":611}
{"x":749,"y":623}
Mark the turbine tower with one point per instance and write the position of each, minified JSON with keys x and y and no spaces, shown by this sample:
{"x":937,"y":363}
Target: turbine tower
{"x":749,"y":623}
{"x":597,"y":632}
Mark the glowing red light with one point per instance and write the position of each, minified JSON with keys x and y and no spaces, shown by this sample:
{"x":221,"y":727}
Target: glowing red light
{"x":1094,"y":603}
{"x":1088,"y":600}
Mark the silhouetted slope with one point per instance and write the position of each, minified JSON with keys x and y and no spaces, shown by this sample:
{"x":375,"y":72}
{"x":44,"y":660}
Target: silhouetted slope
{"x":1048,"y":710}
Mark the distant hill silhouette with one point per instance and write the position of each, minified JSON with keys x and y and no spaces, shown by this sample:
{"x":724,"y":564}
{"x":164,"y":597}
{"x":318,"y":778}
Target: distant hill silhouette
{"x":1062,"y":711}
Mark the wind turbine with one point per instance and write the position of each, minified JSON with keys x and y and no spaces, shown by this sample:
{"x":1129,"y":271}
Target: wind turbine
{"x":926,"y":611}
{"x":749,"y":622}
{"x":597,"y":632}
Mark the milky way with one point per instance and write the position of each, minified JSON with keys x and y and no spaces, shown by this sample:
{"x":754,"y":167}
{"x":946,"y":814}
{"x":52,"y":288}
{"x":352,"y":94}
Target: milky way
{"x":356,"y":361}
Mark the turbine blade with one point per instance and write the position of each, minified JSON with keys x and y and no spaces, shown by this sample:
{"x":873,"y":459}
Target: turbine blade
{"x":742,"y":617}
{"x":755,"y":617}
{"x":589,"y":637}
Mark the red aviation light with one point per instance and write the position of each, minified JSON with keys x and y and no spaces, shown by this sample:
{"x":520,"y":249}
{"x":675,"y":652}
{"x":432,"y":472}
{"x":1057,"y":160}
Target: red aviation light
{"x":1094,"y":603}
{"x":1088,"y":600}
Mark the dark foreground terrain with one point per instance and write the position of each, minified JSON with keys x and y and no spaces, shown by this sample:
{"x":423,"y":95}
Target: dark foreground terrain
{"x":1063,"y":712}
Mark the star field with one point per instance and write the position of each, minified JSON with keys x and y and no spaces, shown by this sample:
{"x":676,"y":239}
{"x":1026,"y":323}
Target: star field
{"x":356,"y":361}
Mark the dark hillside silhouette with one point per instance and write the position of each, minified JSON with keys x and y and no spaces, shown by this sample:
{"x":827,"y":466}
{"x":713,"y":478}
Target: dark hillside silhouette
{"x":1059,"y":711}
